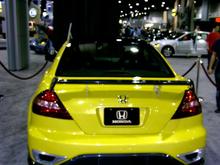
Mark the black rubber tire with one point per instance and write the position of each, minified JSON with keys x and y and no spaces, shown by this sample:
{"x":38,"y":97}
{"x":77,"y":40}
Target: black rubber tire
{"x":168,"y":51}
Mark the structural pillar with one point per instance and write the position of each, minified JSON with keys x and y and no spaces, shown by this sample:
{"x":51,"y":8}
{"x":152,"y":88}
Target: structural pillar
{"x":175,"y":18}
{"x":165,"y":17}
{"x":192,"y":15}
{"x":17,"y":34}
{"x":205,"y":10}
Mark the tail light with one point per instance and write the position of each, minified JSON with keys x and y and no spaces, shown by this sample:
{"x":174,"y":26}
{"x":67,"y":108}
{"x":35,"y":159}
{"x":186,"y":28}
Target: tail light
{"x":48,"y":104}
{"x":189,"y":106}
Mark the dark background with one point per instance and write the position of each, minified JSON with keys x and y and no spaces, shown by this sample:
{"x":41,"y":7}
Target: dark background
{"x":92,"y":20}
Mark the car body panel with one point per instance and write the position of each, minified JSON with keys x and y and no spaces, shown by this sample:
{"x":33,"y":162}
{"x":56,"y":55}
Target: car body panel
{"x":87,"y":103}
{"x":65,"y":138}
{"x":86,"y":133}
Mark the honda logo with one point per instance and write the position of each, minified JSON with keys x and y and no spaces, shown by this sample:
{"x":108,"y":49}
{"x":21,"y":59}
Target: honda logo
{"x":121,"y":114}
{"x":122,"y":99}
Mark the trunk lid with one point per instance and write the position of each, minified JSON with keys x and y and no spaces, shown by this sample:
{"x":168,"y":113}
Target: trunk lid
{"x":121,"y":108}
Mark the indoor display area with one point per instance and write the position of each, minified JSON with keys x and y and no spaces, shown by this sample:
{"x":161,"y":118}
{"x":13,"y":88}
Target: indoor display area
{"x":109,"y":82}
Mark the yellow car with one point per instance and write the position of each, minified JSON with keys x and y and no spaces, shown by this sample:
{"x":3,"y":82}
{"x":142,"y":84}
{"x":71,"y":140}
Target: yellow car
{"x":116,"y":102}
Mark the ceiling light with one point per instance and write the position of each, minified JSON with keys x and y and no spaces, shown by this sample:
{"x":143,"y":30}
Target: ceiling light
{"x":137,"y":4}
{"x":119,"y":1}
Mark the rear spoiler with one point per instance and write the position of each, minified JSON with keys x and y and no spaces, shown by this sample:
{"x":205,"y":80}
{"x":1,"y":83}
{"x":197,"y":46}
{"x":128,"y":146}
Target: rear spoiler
{"x":127,"y":82}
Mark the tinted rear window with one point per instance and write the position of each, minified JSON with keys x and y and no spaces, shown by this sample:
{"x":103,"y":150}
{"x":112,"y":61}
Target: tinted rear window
{"x":112,"y":59}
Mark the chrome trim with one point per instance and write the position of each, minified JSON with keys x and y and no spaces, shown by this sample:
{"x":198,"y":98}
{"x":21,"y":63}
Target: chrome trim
{"x":57,"y":159}
{"x":200,"y":155}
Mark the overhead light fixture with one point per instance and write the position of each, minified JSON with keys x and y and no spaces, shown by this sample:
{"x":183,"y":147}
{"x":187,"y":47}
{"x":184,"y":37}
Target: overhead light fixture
{"x":131,"y":7}
{"x":119,"y":1}
{"x":137,"y":4}
{"x":152,"y":6}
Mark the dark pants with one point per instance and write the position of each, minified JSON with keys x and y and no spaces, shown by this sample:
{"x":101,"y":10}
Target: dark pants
{"x":209,"y":57}
{"x":217,"y":80}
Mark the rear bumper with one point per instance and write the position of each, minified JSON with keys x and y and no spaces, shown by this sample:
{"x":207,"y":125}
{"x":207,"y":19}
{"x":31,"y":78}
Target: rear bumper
{"x":75,"y":147}
{"x":128,"y":159}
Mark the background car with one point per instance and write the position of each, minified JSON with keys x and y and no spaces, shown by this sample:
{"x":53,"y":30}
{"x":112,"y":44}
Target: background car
{"x":183,"y":43}
{"x":114,"y":102}
{"x":41,"y":42}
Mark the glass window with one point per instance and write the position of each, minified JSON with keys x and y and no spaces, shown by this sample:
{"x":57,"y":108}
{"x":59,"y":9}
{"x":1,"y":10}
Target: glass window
{"x":202,"y":36}
{"x":113,"y":59}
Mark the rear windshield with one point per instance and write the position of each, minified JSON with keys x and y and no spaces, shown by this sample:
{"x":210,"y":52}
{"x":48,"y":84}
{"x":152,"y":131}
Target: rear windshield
{"x":112,"y":59}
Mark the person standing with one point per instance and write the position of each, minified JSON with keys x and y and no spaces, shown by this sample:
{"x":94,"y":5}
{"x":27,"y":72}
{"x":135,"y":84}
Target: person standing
{"x":211,"y":38}
{"x":195,"y":37}
{"x":216,"y":57}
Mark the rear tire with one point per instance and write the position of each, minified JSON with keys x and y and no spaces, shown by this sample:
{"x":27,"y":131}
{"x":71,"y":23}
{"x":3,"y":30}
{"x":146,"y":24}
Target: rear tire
{"x":168,"y":51}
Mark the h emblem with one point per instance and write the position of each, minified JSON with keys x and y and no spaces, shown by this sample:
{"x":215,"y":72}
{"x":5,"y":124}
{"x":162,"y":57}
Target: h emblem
{"x":121,"y":114}
{"x":122,"y":99}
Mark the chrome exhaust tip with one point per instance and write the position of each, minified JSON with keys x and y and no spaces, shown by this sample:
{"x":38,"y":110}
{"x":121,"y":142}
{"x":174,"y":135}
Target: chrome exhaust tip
{"x":193,"y":156}
{"x":47,"y":159}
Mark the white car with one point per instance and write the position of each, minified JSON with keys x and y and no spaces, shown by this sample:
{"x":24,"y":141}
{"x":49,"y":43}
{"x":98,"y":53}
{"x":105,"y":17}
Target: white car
{"x":183,"y":43}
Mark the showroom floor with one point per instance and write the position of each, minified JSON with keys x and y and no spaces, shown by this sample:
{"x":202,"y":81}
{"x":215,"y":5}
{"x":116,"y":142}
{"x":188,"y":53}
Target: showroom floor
{"x":13,"y":109}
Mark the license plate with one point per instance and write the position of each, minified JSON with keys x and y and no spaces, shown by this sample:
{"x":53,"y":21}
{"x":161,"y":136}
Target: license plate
{"x":121,"y":116}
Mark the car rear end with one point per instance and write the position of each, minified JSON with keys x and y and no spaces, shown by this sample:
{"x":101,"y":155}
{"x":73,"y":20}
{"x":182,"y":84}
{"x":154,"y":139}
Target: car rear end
{"x":111,"y":109}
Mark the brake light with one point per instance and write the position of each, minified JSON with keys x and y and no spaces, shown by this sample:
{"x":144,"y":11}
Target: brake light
{"x":189,"y":106}
{"x":48,"y":104}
